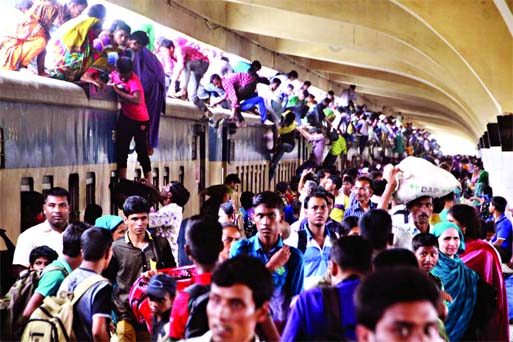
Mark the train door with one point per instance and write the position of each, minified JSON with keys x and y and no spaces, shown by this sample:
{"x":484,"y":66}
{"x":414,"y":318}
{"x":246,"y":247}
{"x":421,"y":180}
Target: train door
{"x":200,"y":152}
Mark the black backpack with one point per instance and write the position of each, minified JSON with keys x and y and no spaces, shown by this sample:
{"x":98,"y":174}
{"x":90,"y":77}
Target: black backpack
{"x":197,"y":323}
{"x":332,"y":315}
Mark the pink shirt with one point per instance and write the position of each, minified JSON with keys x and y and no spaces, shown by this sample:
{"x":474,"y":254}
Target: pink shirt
{"x":137,"y":112}
{"x":240,"y":79}
{"x":186,"y":54}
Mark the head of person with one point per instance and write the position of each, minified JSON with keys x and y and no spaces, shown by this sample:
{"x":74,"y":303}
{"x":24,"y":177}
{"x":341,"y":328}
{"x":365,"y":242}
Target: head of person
{"x":175,"y":192}
{"x":215,"y":79}
{"x":350,"y":225}
{"x":397,"y":304}
{"x":347,"y":185}
{"x":290,"y":89}
{"x":394,"y":257}
{"x":488,"y":230}
{"x":281,"y":188}
{"x":333,"y":183}
{"x":125,"y":68}
{"x":91,"y":213}
{"x":352,"y":87}
{"x":350,"y":255}
{"x":275,"y":84}
{"x":232,"y":180}
{"x":76,"y":7}
{"x":466,"y":218}
{"x":166,"y":47}
{"x":267,"y":215}
{"x":56,"y":208}
{"x":114,"y":224}
{"x":363,"y":189}
{"x":203,"y":240}
{"x":292,"y":75}
{"x":97,"y":11}
{"x":161,"y":291}
{"x":226,"y":213}
{"x":231,"y":234}
{"x":425,"y":247}
{"x":71,"y":241}
{"x":239,"y":299}
{"x":306,"y":85}
{"x":421,"y":209}
{"x":24,"y":5}
{"x":483,"y":177}
{"x":246,"y":199}
{"x":120,"y":32}
{"x":96,"y":246}
{"x":40,"y":257}
{"x":316,"y":209}
{"x":450,"y":239}
{"x":136,"y":211}
{"x":498,"y":205}
{"x":138,"y":40}
{"x":255,"y":67}
{"x":376,"y":226}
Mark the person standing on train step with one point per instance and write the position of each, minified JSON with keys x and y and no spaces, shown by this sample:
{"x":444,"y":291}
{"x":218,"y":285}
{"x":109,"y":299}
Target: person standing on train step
{"x":193,"y":64}
{"x":149,"y":70}
{"x":133,"y":119}
{"x":56,"y":209}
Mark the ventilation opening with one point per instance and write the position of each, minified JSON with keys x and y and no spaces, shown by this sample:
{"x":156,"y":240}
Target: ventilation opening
{"x":47,"y":184}
{"x":74,"y":193}
{"x":91,"y":188}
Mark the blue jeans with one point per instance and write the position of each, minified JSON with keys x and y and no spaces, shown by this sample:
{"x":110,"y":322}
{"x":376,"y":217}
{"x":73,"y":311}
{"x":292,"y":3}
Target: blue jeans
{"x":253,"y":102}
{"x":281,"y":150}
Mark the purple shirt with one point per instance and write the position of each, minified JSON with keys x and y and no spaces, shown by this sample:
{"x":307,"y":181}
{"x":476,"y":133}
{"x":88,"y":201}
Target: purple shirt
{"x":318,"y":143}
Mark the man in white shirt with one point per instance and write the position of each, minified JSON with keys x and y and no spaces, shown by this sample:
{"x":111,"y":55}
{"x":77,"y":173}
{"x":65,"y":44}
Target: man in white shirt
{"x":56,"y":209}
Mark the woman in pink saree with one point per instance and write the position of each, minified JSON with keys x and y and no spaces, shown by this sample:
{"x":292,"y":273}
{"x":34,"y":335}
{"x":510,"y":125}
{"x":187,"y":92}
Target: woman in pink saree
{"x":482,"y":257}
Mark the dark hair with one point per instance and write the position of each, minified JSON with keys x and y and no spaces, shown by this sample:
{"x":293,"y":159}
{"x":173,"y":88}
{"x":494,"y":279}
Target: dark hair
{"x":438,"y":205}
{"x":95,"y":242}
{"x":246,"y":199}
{"x":281,"y":187}
{"x":58,"y":192}
{"x":42,"y":252}
{"x":384,"y":288}
{"x":204,"y":238}
{"x":276,"y":80}
{"x":119,"y":25}
{"x":395,"y":257}
{"x":167,"y":43}
{"x":336,"y":180}
{"x":180,"y":194}
{"x":499,"y":203}
{"x":232,"y":178}
{"x":269,"y":199}
{"x":366,"y":179}
{"x":97,"y":11}
{"x":448,"y":197}
{"x":424,"y":240}
{"x":124,"y":65}
{"x":140,"y":37}
{"x":91,"y":213}
{"x":348,"y":179}
{"x":248,"y":271}
{"x":378,"y":186}
{"x":315,"y":194}
{"x":348,"y":223}
{"x":376,"y":226}
{"x":293,"y":74}
{"x":289,"y":117}
{"x":71,"y":239}
{"x":331,"y":92}
{"x":290,"y":86}
{"x":214,"y":77}
{"x":307,"y":83}
{"x":255,"y":66}
{"x":135,"y":205}
{"x":227,"y":208}
{"x":352,"y":253}
{"x":467,"y":217}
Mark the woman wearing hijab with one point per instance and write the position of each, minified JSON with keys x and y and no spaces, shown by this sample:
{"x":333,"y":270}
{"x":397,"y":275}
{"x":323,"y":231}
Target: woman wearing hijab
{"x":459,"y":280}
{"x":483,"y":259}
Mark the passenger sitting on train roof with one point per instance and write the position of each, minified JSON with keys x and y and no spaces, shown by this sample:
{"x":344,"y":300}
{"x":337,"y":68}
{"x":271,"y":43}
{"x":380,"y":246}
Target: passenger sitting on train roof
{"x":70,"y":10}
{"x":56,"y":209}
{"x":149,"y":70}
{"x":133,"y":119}
{"x":31,"y":36}
{"x":194,"y":65}
{"x":72,"y":52}
{"x":165,"y":58}
{"x":213,"y":92}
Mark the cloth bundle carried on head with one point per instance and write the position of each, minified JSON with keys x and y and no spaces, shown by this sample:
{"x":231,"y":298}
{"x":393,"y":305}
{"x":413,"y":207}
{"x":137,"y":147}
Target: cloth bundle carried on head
{"x":422,"y":178}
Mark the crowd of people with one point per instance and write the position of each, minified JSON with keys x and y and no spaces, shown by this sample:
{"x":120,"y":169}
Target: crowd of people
{"x":329,"y":255}
{"x":66,"y":42}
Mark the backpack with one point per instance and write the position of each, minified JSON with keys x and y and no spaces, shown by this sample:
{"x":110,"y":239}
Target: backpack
{"x":197,"y":322}
{"x":53,"y":320}
{"x":15,"y":302}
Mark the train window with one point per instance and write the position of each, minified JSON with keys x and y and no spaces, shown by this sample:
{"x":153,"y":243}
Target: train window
{"x":231,"y":151}
{"x":2,"y":149}
{"x":47,"y":184}
{"x":155,"y":177}
{"x":137,"y":175}
{"x":166,"y":175}
{"x":27,"y":184}
{"x":91,"y":188}
{"x":194,"y":147}
{"x":181,"y":174}
{"x":113,"y":181}
{"x":74,"y":193}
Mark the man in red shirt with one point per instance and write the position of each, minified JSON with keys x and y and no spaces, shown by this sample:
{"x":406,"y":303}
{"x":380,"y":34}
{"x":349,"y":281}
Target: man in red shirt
{"x":133,"y":121}
{"x":203,"y":245}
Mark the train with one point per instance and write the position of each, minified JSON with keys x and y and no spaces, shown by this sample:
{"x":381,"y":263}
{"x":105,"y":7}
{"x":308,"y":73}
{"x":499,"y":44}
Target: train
{"x":56,"y":133}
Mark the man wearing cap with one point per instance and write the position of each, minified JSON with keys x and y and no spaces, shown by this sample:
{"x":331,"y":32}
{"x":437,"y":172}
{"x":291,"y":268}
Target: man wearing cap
{"x":161,"y":291}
